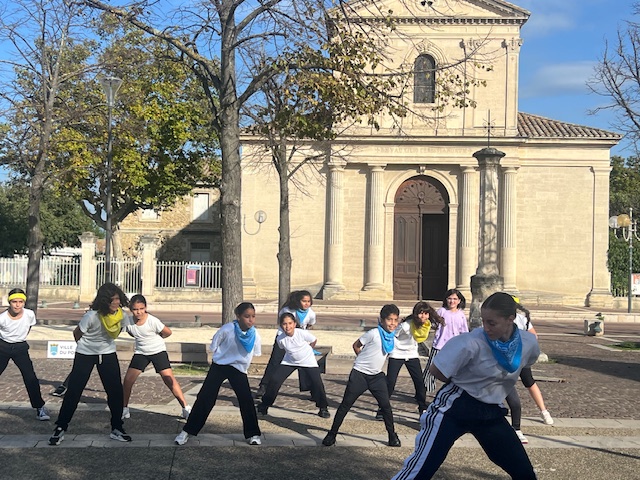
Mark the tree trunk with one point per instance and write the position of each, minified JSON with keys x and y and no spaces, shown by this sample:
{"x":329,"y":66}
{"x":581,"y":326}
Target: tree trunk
{"x":284,"y":242}
{"x":36,"y":238}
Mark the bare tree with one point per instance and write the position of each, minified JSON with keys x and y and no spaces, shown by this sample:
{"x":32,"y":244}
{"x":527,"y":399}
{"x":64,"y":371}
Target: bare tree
{"x":47,"y":54}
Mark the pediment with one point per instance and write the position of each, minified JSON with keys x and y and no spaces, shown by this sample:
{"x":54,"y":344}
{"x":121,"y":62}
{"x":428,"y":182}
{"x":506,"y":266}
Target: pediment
{"x":450,"y":11}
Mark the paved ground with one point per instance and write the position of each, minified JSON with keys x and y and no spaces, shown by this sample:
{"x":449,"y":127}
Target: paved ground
{"x":590,"y":389}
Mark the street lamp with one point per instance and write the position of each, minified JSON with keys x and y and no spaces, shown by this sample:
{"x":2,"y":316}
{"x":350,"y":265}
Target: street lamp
{"x":110,"y":86}
{"x":629,"y":230}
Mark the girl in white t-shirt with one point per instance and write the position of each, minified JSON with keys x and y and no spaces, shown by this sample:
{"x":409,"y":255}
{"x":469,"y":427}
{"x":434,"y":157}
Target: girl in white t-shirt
{"x":233,"y":347}
{"x":15,"y":325}
{"x":298,"y":346}
{"x":149,"y":333}
{"x":299,"y":304}
{"x":96,"y":334}
{"x":479,"y":370}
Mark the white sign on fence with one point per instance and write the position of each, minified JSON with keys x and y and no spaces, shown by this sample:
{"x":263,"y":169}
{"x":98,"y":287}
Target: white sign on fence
{"x":61,"y":349}
{"x":635,"y":284}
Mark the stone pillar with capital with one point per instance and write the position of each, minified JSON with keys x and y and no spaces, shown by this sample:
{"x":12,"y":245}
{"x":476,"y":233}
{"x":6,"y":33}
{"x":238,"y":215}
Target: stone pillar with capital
{"x":487,"y":279}
{"x":88,"y":267}
{"x":508,"y":253}
{"x":335,"y":231}
{"x":374,"y":271}
{"x":468,"y":242}
{"x":149,"y":245}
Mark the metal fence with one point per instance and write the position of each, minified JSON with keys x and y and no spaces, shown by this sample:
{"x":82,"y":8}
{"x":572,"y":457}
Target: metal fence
{"x":126,"y":273}
{"x":54,"y":271}
{"x":188,"y":275}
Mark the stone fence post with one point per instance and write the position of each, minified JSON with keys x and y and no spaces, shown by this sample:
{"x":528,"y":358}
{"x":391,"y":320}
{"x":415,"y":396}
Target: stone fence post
{"x":88,"y":267}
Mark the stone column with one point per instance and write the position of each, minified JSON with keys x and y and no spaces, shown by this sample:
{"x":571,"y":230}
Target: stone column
{"x":335,"y":231}
{"x":374,"y":272}
{"x":149,"y":249}
{"x":512,"y":46}
{"x":600,"y":294}
{"x":468,"y":240}
{"x":509,"y":230}
{"x":88,"y":267}
{"x":487,"y":279}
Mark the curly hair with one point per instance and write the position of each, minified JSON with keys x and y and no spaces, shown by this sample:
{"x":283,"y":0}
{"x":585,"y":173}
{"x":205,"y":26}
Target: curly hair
{"x":103,"y":298}
{"x":420,"y":307}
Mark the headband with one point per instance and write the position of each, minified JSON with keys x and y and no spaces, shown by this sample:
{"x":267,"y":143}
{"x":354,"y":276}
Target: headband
{"x":18,"y":295}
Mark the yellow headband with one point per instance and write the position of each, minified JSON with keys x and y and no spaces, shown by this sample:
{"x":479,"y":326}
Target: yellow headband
{"x":18,"y":295}
{"x":515,"y":299}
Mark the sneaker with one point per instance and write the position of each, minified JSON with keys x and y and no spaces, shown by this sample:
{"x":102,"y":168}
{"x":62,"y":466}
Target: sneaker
{"x":255,"y":440}
{"x":261,"y":391}
{"x":394,"y":440}
{"x":120,"y":435}
{"x":42,"y":414}
{"x":324,"y":413}
{"x":329,"y":440}
{"x":546,"y":417}
{"x":125,"y":413}
{"x":521,"y":437}
{"x":182,"y":438}
{"x":379,"y":415}
{"x":186,"y":410}
{"x":57,"y":437}
{"x":59,"y":391}
{"x":262,"y":409}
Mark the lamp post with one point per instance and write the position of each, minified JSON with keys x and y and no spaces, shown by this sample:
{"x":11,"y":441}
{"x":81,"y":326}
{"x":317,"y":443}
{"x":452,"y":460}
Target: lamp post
{"x":110,"y":86}
{"x":628,"y":226}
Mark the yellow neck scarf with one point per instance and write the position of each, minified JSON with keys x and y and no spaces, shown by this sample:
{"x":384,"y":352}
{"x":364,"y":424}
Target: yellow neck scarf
{"x":421,"y":333}
{"x":111,"y":322}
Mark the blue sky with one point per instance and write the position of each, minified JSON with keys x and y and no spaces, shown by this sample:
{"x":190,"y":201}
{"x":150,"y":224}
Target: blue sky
{"x":563,"y":40}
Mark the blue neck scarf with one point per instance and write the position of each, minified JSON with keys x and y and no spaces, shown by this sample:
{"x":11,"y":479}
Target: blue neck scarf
{"x":246,"y":339}
{"x":508,"y":354}
{"x":302,"y":314}
{"x":387,"y":339}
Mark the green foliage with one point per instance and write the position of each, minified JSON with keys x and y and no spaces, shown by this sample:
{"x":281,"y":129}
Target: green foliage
{"x":62,"y":220}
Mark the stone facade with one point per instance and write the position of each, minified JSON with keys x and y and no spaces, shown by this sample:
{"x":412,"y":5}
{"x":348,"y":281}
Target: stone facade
{"x":351,"y":239}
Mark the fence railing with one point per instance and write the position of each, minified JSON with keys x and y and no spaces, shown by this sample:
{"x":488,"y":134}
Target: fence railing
{"x":54,"y":271}
{"x":126,"y":273}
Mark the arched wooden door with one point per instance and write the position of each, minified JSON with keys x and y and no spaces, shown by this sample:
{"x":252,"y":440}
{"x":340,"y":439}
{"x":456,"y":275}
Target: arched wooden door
{"x":421,"y":240}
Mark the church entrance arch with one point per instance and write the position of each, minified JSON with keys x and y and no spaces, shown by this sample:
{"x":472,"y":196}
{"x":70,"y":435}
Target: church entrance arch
{"x":421,"y":240}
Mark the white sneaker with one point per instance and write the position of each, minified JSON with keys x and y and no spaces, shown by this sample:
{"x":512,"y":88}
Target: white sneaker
{"x":42,"y":414}
{"x":182,"y":438}
{"x":125,"y":413}
{"x":186,"y":410}
{"x":255,"y":440}
{"x":521,"y":437}
{"x":546,"y":416}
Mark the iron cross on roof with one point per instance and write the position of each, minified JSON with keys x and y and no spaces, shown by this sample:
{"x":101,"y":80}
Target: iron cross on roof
{"x":488,"y":126}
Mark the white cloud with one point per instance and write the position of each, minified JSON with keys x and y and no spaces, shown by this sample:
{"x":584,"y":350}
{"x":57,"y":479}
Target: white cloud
{"x":558,"y":79}
{"x":549,"y":16}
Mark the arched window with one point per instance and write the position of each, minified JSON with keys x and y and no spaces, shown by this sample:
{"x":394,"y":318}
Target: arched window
{"x":424,"y":81}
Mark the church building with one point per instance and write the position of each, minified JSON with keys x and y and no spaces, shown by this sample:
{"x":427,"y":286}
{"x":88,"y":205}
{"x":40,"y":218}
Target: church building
{"x":394,"y":213}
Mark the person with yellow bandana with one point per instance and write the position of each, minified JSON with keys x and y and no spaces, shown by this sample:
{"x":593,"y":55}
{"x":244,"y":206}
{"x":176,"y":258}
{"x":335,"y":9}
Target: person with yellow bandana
{"x":413,"y":331}
{"x":95,"y":334}
{"x":15,"y":325}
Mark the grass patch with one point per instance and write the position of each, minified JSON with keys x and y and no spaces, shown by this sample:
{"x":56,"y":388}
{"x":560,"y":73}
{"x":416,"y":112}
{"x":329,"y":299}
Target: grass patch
{"x":627,"y":345}
{"x":192,"y":369}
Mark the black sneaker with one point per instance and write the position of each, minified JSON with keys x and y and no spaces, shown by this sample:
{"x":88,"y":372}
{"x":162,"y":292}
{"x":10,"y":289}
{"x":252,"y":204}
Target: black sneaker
{"x":57,"y":437}
{"x":60,"y":391}
{"x":261,"y":391}
{"x":394,"y":441}
{"x":120,"y":435}
{"x":324,"y":413}
{"x":262,"y":409}
{"x":329,"y":440}
{"x":379,"y":415}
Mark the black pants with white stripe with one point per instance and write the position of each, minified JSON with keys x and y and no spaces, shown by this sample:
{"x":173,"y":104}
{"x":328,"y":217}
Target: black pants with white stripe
{"x":454,"y":413}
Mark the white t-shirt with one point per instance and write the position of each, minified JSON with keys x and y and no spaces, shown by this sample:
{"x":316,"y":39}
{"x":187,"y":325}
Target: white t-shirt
{"x":404,"y":345}
{"x":521,"y":322}
{"x":95,"y":340}
{"x":298,"y":351}
{"x":468,"y":361}
{"x":16,"y":331}
{"x":147,"y":336}
{"x":227,"y":350}
{"x":371,"y":358}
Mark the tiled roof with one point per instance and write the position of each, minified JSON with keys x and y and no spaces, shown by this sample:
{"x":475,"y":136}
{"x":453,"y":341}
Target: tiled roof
{"x":534,"y":126}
